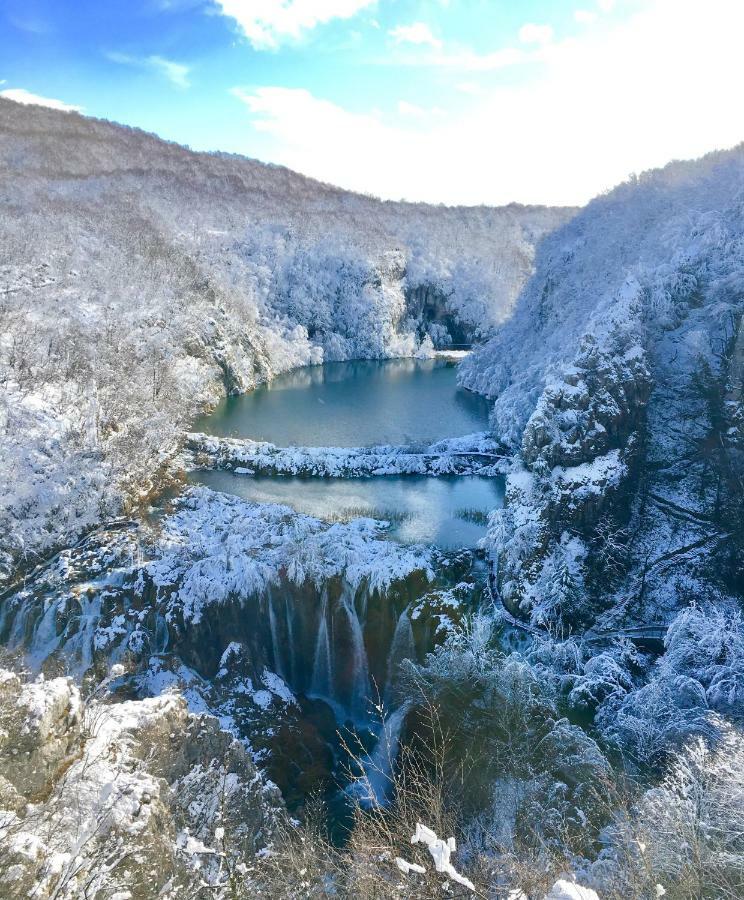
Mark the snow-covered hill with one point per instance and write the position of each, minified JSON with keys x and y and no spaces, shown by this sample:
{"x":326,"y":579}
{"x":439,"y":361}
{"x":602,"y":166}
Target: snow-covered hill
{"x":618,"y":382}
{"x":139,"y":281}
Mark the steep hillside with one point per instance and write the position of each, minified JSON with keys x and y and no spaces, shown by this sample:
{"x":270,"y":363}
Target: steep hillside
{"x":139,"y":281}
{"x":618,"y":382}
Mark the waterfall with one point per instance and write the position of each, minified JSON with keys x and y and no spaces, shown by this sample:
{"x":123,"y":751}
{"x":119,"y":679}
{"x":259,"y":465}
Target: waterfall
{"x":402,"y":647}
{"x":275,"y":646}
{"x":321,"y":684}
{"x":18,"y":628}
{"x":162,"y":637}
{"x":291,"y":641}
{"x":374,"y":786}
{"x":45,"y":639}
{"x":81,"y":644}
{"x":359,"y":688}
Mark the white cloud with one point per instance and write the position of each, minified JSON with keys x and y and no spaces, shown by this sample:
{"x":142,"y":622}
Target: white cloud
{"x":535,"y":34}
{"x":416,"y":33}
{"x":585,"y":16}
{"x":469,"y":87}
{"x":177,"y":73}
{"x":468,"y":61}
{"x":600,"y":106}
{"x":21,"y":95}
{"x":410,"y":110}
{"x":268,"y":23}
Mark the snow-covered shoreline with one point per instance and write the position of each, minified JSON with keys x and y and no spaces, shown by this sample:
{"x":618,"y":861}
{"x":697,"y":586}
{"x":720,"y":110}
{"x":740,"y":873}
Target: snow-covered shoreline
{"x":472,"y":455}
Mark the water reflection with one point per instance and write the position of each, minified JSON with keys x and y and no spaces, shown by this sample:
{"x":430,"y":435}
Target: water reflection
{"x":447,"y":511}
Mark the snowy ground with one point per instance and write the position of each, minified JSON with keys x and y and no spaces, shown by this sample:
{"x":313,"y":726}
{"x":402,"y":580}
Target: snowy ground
{"x":476,"y":454}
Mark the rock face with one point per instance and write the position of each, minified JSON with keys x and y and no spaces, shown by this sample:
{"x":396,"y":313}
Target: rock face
{"x":40,"y":734}
{"x":139,"y":797}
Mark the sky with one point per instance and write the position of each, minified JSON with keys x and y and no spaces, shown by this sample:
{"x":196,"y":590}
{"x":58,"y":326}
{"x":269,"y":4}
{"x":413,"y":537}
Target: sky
{"x":444,"y":101}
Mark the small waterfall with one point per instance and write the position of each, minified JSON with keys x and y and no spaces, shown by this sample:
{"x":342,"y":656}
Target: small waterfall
{"x":275,"y":644}
{"x":80,"y":645}
{"x":360,"y":685}
{"x":292,"y":649}
{"x":45,"y":639}
{"x":4,"y":614}
{"x":402,"y":647}
{"x":321,"y":684}
{"x":162,"y":637}
{"x":18,"y":628}
{"x":374,"y":786}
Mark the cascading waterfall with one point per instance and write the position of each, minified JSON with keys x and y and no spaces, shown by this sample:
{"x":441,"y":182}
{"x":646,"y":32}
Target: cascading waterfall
{"x":19,"y":624}
{"x":80,"y":633}
{"x":275,"y":643}
{"x":45,"y":639}
{"x":374,"y":786}
{"x":292,"y":649}
{"x":402,"y":647}
{"x":162,"y":638}
{"x":322,"y":679}
{"x":360,"y":684}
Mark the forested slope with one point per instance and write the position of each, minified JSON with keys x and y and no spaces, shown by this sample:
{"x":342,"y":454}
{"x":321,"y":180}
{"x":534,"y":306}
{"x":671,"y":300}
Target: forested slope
{"x":618,"y":381}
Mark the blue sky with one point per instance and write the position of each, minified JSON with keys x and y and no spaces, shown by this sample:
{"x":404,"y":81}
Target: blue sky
{"x":456,"y":101}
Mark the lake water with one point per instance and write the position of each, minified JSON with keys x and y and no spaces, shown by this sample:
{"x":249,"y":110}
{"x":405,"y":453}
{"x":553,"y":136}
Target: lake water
{"x":364,"y":403}
{"x":354,"y":404}
{"x":446,"y":511}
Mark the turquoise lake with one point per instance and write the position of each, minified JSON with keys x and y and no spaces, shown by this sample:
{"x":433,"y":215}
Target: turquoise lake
{"x":363,"y":403}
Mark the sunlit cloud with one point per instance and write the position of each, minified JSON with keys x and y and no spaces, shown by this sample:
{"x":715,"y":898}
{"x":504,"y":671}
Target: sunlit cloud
{"x":410,"y":109}
{"x":466,"y":60}
{"x":416,"y":33}
{"x":535,"y":34}
{"x":469,"y":87}
{"x":21,"y":95}
{"x":269,"y":23}
{"x":585,"y":16}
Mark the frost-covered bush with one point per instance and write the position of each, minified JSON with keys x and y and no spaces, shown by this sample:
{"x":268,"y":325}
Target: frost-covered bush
{"x":696,"y":682}
{"x":708,"y":646}
{"x":604,"y":676}
{"x":682,"y":838}
{"x":505,"y":733}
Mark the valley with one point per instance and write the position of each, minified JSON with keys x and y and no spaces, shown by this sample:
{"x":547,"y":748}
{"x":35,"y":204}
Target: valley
{"x":286,"y":574}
